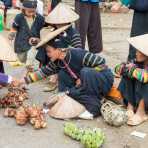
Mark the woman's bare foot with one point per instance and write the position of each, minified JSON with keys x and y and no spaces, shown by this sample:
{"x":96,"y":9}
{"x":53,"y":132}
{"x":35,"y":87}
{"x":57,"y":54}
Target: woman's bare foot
{"x":130,"y":111}
{"x":137,"y":120}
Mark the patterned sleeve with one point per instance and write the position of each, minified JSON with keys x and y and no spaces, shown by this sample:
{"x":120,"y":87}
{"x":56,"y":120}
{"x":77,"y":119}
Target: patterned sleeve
{"x":132,"y":72}
{"x":42,"y":73}
{"x":140,"y":75}
{"x":76,"y":41}
{"x":92,"y":60}
{"x":119,"y":68}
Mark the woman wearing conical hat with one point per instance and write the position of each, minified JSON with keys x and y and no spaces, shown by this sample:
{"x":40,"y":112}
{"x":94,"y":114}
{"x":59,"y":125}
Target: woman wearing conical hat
{"x":134,"y":83}
{"x":62,"y":15}
{"x":7,"y":55}
{"x":84,"y":76}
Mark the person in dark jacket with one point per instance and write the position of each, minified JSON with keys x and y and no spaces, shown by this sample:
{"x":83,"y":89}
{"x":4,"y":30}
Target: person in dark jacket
{"x":89,"y":24}
{"x":69,"y":37}
{"x":84,"y":76}
{"x":134,"y":83}
{"x":26,"y":27}
{"x":139,"y":23}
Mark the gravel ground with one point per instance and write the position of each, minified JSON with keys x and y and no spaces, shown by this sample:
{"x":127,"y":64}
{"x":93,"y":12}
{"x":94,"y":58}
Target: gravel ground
{"x":116,"y":28}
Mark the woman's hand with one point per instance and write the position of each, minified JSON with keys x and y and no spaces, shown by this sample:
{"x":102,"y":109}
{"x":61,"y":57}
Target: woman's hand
{"x":78,"y":82}
{"x":16,"y":82}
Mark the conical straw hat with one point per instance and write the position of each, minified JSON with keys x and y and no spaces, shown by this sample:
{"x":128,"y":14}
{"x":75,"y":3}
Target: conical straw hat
{"x":7,"y":52}
{"x":140,"y":43}
{"x":66,"y":108}
{"x":62,"y":14}
{"x":47,"y":34}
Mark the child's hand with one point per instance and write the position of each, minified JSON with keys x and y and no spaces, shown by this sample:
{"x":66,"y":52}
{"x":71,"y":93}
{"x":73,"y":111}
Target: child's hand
{"x":119,"y":69}
{"x":33,"y":41}
{"x":116,"y":7}
{"x":11,"y":36}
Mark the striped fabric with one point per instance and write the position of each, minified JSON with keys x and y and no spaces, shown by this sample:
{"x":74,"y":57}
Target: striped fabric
{"x":76,"y":41}
{"x":89,"y":60}
{"x":141,"y":75}
{"x":42,"y":73}
{"x":132,"y":72}
{"x":92,"y":60}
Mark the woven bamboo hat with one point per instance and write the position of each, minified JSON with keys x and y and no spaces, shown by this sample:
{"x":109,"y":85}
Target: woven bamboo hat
{"x":48,"y":33}
{"x":66,"y":108}
{"x":140,"y":43}
{"x":6,"y":51}
{"x":62,"y":14}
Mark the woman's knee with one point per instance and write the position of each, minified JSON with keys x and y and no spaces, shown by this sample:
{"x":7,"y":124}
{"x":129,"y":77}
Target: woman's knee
{"x":86,"y":71}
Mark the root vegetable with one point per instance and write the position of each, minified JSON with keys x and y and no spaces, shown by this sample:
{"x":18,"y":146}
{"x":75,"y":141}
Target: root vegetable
{"x":9,"y":112}
{"x":21,"y":116}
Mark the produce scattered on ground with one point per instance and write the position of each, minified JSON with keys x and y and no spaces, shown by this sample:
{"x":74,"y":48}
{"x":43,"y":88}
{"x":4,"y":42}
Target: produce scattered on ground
{"x":24,"y":114}
{"x":14,"y":98}
{"x":90,"y":138}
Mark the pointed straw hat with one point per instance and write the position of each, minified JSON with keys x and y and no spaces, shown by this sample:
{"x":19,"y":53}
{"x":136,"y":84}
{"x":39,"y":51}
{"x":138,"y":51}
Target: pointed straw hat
{"x":6,"y":51}
{"x":66,"y":108}
{"x":140,"y":43}
{"x":62,"y":14}
{"x":48,"y":34}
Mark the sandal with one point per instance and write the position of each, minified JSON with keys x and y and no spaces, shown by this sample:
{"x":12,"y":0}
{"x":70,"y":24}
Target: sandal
{"x":137,"y":120}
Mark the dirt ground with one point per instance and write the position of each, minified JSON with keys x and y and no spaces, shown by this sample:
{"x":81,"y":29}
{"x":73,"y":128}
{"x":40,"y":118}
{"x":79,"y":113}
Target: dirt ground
{"x":116,"y":28}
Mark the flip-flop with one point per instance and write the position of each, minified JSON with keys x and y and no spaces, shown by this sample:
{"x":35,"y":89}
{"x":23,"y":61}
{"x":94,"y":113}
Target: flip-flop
{"x":136,"y":120}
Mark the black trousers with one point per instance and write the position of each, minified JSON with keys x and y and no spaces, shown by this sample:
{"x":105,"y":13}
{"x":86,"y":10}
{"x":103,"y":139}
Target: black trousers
{"x":139,"y":27}
{"x":94,"y":85}
{"x":1,"y":67}
{"x":133,"y":91}
{"x":54,"y":3}
{"x":89,"y":25}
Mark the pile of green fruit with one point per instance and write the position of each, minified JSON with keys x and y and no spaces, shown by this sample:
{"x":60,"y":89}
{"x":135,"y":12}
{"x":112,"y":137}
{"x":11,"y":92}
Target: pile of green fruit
{"x":90,"y":138}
